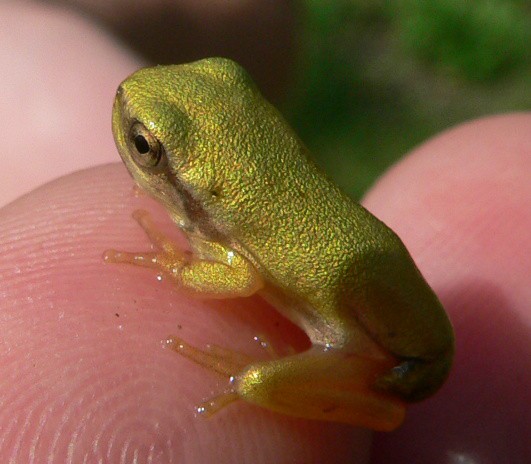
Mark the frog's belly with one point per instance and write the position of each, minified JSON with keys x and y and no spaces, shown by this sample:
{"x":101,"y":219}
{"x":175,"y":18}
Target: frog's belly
{"x":305,"y":316}
{"x":337,"y":333}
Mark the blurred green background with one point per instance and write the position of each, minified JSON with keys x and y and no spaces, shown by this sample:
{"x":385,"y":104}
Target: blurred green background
{"x":362,"y":81}
{"x":375,"y":78}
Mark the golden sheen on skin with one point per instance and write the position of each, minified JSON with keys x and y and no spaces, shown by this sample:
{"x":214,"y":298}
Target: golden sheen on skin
{"x":262,"y":218}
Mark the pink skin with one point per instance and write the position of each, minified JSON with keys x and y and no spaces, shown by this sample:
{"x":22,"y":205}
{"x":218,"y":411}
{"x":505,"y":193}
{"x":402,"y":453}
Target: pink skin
{"x":84,"y":370}
{"x":461,"y":203}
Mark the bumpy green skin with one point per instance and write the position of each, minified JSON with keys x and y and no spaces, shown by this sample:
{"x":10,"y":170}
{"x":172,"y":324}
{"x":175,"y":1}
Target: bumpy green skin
{"x":236,"y":174}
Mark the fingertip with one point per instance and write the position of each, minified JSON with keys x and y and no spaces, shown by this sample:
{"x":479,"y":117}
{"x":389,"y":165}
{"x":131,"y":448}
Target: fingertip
{"x":65,"y":70}
{"x":103,"y":383}
{"x":459,"y":202}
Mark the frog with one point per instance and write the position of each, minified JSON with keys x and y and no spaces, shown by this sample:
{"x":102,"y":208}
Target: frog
{"x":262,"y":218}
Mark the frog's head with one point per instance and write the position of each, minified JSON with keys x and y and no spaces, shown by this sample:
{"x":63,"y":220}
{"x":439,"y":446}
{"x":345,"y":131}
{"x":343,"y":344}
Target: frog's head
{"x":185,"y":133}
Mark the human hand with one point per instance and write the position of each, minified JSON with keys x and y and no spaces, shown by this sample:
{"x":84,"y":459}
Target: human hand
{"x":461,"y":204}
{"x":83,"y":368}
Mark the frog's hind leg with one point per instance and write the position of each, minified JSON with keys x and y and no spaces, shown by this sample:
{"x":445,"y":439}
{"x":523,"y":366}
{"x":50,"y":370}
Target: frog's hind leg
{"x":325,"y":385}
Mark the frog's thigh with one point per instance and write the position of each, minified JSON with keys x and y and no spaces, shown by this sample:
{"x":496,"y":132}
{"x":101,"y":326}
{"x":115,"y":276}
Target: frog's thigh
{"x":331,"y":386}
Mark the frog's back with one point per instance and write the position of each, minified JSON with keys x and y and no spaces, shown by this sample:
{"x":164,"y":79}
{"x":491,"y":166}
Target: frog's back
{"x":236,"y":174}
{"x":316,"y":243}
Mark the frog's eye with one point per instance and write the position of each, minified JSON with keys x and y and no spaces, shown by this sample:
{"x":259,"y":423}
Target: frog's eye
{"x":145,"y":148}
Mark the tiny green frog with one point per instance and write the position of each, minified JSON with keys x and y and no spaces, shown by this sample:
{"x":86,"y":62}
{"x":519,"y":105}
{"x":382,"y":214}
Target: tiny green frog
{"x":261,"y":218}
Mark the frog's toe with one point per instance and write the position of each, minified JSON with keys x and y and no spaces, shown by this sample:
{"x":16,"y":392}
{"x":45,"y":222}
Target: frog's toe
{"x":213,"y":405}
{"x":126,"y":257}
{"x":218,"y":359}
{"x":215,"y":358}
{"x":156,"y":236}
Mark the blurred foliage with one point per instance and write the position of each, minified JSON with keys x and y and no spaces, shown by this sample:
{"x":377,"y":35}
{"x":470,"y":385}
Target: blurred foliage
{"x":475,"y":40}
{"x":379,"y":77}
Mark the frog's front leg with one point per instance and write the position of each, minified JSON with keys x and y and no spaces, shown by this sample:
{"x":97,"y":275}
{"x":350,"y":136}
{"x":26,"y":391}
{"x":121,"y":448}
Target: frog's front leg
{"x":329,"y":385}
{"x":212,"y":270}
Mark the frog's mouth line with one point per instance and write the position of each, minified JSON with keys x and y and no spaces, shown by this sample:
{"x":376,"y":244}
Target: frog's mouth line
{"x":196,"y":215}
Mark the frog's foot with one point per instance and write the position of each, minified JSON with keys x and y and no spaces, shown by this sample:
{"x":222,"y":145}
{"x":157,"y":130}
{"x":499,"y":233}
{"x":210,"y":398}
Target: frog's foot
{"x":210,"y":270}
{"x":220,"y":360}
{"x":224,"y":362}
{"x":170,"y":258}
{"x":215,"y":358}
{"x":324,"y":385}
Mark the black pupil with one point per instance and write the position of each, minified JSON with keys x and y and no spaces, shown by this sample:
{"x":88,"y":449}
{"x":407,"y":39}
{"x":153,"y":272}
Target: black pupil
{"x":141,"y":144}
